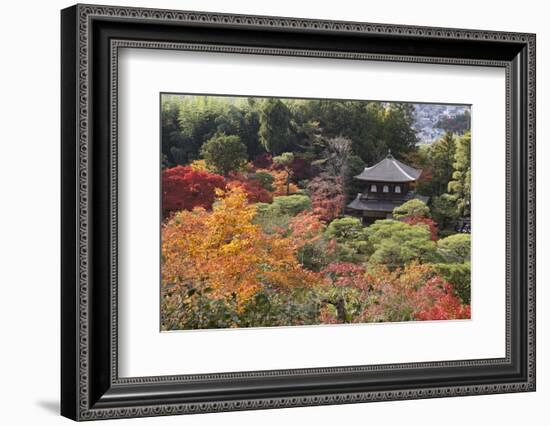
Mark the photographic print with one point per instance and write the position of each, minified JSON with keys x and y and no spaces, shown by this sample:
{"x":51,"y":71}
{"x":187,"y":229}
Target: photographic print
{"x":302,"y":212}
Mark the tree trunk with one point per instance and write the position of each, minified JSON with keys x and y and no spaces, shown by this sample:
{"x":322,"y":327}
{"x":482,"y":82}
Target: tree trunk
{"x":287,"y":183}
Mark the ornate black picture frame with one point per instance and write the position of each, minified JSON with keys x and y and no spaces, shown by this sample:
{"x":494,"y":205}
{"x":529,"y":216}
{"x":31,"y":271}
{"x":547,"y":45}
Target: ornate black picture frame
{"x":91,"y":36}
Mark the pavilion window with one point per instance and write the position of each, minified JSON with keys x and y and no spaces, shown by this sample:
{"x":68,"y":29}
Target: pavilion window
{"x":373,"y":188}
{"x":397,"y":189}
{"x":386,"y":188}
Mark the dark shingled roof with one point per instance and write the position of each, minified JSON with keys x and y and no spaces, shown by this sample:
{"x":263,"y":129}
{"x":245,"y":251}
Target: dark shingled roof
{"x":377,"y":205}
{"x":389,"y":170}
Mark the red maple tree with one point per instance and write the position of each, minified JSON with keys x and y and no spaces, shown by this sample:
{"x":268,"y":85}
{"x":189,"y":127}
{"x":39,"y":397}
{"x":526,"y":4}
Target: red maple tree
{"x":184,"y":189}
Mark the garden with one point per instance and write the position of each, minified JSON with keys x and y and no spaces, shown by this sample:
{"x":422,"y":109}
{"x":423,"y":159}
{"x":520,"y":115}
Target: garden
{"x":255,"y":226}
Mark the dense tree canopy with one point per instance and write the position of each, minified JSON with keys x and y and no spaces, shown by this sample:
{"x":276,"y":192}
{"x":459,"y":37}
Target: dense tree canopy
{"x":256,"y":230}
{"x":275,"y":132}
{"x":224,"y":154}
{"x":276,"y":125}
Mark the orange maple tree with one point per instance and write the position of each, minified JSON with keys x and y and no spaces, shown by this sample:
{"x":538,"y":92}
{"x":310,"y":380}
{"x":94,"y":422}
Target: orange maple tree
{"x":280,"y":182}
{"x":224,"y":251}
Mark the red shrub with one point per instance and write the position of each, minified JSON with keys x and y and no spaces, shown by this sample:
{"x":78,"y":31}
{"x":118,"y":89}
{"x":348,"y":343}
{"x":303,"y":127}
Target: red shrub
{"x":255,"y":192}
{"x":430,"y":223}
{"x":436,"y":301}
{"x":184,"y":189}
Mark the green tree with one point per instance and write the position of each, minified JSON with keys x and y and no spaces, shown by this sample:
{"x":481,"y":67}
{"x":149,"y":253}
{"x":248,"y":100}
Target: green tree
{"x":224,"y":153}
{"x":460,"y":185}
{"x":351,"y":238}
{"x":373,"y":127}
{"x":444,"y":210}
{"x":346,"y":229}
{"x":170,"y":130}
{"x":411,"y":208}
{"x":455,"y":248}
{"x":248,"y":127}
{"x":442,"y":157}
{"x":198,"y":121}
{"x":398,"y":127}
{"x":189,"y":121}
{"x":274,"y":132}
{"x":420,"y":159}
{"x":394,"y":244}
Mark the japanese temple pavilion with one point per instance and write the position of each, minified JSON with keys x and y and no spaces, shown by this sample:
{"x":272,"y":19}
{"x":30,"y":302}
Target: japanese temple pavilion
{"x":388,"y":184}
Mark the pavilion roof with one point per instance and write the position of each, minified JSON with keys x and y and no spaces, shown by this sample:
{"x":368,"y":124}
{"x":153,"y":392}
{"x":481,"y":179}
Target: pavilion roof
{"x":389,"y":170}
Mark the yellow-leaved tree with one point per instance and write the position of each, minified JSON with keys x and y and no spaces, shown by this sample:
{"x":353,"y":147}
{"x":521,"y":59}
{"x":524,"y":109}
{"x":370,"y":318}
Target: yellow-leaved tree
{"x":225,"y":252}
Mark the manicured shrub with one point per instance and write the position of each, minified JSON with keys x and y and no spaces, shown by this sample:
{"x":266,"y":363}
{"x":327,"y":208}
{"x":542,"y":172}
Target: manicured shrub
{"x":351,"y":237}
{"x":395,"y":244}
{"x":455,"y":248}
{"x":412,"y":208}
{"x":291,"y":204}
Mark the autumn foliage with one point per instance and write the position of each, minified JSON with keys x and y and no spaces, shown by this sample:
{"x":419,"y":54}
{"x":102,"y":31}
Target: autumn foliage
{"x":280,"y":182}
{"x":220,"y":269}
{"x":255,"y":193}
{"x":327,"y":196}
{"x":257,"y":228}
{"x":305,"y":229}
{"x":223,"y":252}
{"x":415,"y":292}
{"x":430,"y":223}
{"x":184,"y":188}
{"x":226,"y":264}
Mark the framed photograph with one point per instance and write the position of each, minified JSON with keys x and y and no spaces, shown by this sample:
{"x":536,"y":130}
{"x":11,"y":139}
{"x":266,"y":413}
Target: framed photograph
{"x":263,"y":212}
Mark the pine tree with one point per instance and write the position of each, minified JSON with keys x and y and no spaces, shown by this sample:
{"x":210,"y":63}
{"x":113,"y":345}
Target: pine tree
{"x":460,"y":184}
{"x":274,"y":133}
{"x":442,"y":156}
